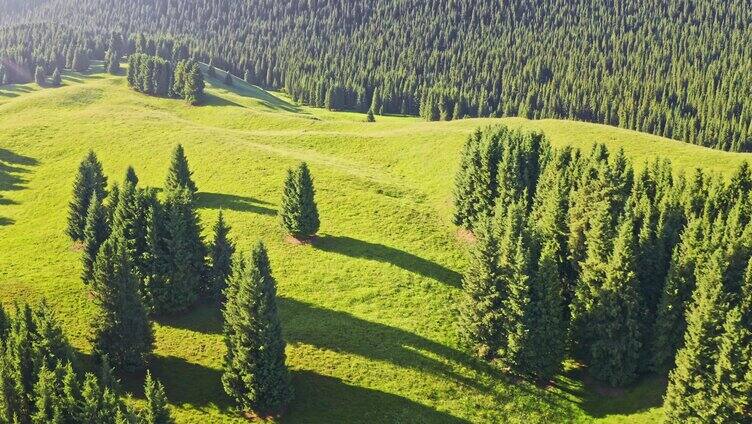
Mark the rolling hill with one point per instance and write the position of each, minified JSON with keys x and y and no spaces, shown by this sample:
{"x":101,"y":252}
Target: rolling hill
{"x":367,"y":308}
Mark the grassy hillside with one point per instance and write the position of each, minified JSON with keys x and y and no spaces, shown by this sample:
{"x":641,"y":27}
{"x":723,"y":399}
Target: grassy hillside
{"x":367,"y":309}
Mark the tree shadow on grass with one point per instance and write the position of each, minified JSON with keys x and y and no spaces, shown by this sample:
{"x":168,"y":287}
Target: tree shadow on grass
{"x":188,"y":383}
{"x":212,"y":100}
{"x":234,"y":203}
{"x":205,"y":318}
{"x":342,"y":332}
{"x":240,"y":87}
{"x":599,"y":400}
{"x":326,"y":399}
{"x":6,"y":221}
{"x":378,"y":252}
{"x":11,"y":166}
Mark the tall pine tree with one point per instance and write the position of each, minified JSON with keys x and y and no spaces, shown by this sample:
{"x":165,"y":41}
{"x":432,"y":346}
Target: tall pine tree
{"x":95,"y":233}
{"x":480,"y":307}
{"x":255,"y":375}
{"x":299,"y":214}
{"x":220,"y":259}
{"x":179,"y":174}
{"x":89,"y":180}
{"x":617,"y":315}
{"x":689,"y":395}
{"x":121,"y":329}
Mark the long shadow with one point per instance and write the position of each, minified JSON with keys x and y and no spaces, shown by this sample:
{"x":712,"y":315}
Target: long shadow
{"x":11,"y":168}
{"x":378,"y":252}
{"x":234,"y":203}
{"x":205,"y":318}
{"x":186,"y":383}
{"x":342,"y":332}
{"x":326,"y":399}
{"x":211,"y":99}
{"x":239,"y":86}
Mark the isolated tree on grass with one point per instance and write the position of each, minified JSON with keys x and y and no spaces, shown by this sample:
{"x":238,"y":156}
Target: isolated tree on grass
{"x":90,"y":180}
{"x":121,"y":329}
{"x":179,"y":174}
{"x":480,"y":314}
{"x":255,"y":375}
{"x":80,"y":60}
{"x":57,"y":80}
{"x":370,"y":117}
{"x":40,"y":76}
{"x":300,"y":216}
{"x":112,"y":62}
{"x":220,"y":259}
{"x":157,"y":411}
{"x":228,"y":78}
{"x":95,"y":233}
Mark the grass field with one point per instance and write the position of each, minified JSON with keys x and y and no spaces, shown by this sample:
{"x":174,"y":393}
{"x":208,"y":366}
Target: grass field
{"x":367,"y":309}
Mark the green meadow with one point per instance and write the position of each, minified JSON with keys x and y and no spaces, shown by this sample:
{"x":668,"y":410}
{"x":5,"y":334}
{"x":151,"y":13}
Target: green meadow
{"x":367,"y":308}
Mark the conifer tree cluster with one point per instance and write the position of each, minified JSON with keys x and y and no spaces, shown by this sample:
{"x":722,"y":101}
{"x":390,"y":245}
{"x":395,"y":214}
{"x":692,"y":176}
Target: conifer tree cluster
{"x":299,"y":214}
{"x":40,"y":380}
{"x":637,"y":271}
{"x":142,"y":255}
{"x":156,"y":76}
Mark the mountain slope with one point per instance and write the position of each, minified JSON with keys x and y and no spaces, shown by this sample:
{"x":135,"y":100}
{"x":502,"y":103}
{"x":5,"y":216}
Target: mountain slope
{"x":367,"y":309}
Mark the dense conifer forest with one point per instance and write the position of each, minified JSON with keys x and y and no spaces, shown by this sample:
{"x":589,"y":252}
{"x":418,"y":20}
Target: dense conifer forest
{"x":631,"y":272}
{"x":680,"y":69}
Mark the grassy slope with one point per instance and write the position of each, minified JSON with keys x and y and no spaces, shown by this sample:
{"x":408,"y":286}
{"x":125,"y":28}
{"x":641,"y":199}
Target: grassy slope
{"x":367,"y":310}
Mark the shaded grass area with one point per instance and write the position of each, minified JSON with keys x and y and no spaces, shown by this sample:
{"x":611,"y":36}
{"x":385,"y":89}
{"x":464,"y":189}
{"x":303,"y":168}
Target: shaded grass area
{"x":367,"y":308}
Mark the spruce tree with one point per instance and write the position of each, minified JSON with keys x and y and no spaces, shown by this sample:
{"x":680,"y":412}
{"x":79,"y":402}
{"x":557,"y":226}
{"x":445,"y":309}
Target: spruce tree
{"x":670,"y":322}
{"x":300,"y":217}
{"x":370,"y":117}
{"x":185,"y":253}
{"x":617,"y":314}
{"x":89,"y":180}
{"x":591,"y":279}
{"x":40,"y":76}
{"x":689,"y":395}
{"x":220,"y":259}
{"x":228,"y":78}
{"x":57,"y":80}
{"x":156,"y":411}
{"x":255,"y":375}
{"x":95,"y":233}
{"x":121,"y":329}
{"x":48,"y":405}
{"x":480,"y":305}
{"x":514,"y":286}
{"x":546,"y":342}
{"x":179,"y":174}
{"x":733,"y":371}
